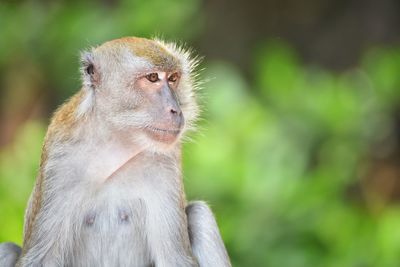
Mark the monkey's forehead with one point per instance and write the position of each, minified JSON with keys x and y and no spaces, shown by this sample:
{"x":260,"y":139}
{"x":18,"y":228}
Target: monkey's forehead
{"x":150,"y":50}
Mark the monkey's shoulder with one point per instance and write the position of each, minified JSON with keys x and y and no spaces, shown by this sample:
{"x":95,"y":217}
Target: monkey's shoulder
{"x":65,"y":118}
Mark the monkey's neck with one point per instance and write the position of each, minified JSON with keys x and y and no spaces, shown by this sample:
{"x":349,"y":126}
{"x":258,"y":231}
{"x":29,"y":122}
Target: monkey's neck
{"x":101,"y":154}
{"x":124,"y":165}
{"x":107,"y":158}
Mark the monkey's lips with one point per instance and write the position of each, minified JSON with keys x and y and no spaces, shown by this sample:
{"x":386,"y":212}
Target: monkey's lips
{"x":163,"y":135}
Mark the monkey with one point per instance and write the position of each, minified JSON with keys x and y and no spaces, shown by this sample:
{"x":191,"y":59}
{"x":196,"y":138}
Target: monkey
{"x":109,"y":189}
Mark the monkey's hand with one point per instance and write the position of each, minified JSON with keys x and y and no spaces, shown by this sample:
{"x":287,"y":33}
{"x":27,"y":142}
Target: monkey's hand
{"x":9,"y":254}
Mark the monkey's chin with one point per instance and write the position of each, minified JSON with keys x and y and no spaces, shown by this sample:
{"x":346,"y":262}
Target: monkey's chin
{"x":165,"y":136}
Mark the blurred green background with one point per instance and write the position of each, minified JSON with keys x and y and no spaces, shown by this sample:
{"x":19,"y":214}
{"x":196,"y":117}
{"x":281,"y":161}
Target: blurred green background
{"x":299,"y":146}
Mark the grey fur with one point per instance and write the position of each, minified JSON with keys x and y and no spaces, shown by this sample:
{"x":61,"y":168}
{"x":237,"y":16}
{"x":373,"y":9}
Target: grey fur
{"x":206,"y":242}
{"x":9,"y":253}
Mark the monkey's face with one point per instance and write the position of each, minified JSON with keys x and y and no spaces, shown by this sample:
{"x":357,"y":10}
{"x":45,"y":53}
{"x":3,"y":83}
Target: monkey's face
{"x":146,"y":104}
{"x":144,"y":88}
{"x":159,"y":99}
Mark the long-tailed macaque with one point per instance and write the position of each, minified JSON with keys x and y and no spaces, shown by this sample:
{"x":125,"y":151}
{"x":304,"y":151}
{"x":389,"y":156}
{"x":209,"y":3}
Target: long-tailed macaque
{"x":109,"y":190}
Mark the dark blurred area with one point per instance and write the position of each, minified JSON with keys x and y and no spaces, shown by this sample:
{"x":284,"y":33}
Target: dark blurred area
{"x":334,"y":34}
{"x":299,"y":149}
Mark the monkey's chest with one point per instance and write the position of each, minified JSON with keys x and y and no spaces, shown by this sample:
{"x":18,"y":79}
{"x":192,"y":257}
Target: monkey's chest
{"x":112,"y":231}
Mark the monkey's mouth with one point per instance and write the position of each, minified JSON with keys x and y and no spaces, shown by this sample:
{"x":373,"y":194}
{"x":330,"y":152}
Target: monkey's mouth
{"x":163,"y":135}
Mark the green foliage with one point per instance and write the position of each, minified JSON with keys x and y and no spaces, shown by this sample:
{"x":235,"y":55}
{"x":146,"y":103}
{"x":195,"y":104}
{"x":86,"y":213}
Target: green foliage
{"x":274,"y":157}
{"x":277,"y":166}
{"x":18,"y":167}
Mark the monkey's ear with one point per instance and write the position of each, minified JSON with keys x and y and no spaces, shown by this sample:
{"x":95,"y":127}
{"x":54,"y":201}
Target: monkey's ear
{"x":89,"y":70}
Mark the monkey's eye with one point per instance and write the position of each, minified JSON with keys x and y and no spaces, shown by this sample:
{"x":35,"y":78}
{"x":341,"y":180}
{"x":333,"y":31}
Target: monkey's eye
{"x":173,"y":77}
{"x":152,"y":77}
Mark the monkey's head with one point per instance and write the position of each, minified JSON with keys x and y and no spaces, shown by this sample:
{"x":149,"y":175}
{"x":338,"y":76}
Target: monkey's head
{"x":141,"y":87}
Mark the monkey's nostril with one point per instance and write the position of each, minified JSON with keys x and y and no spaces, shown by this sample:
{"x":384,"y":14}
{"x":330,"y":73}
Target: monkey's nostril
{"x":176,"y":116}
{"x":174,"y":111}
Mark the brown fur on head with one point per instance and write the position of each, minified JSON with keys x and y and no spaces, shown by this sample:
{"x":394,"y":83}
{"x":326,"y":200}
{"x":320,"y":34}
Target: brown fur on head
{"x":151,"y":50}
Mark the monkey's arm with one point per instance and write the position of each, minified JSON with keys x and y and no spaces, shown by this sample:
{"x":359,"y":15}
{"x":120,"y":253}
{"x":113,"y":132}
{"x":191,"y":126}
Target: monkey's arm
{"x":205,"y":239}
{"x":44,"y":244}
{"x":169,"y":238}
{"x":33,"y":208}
{"x":9,"y":253}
